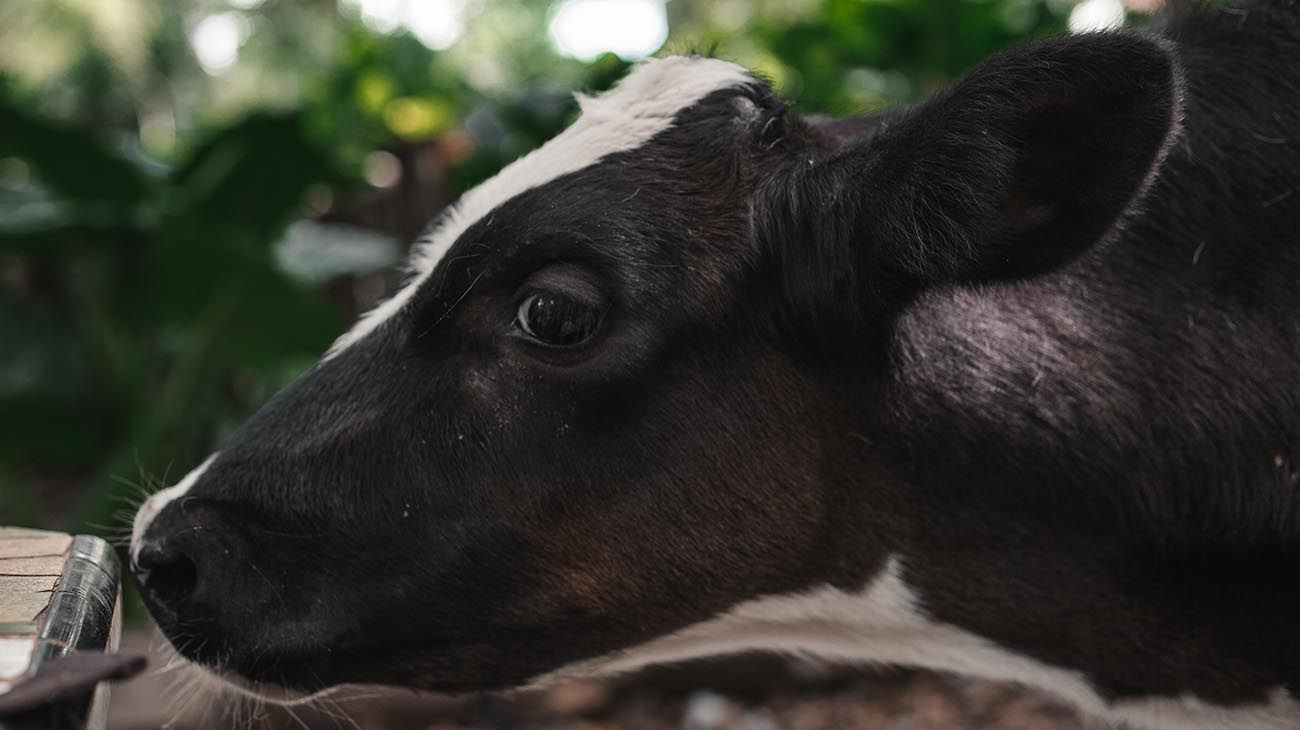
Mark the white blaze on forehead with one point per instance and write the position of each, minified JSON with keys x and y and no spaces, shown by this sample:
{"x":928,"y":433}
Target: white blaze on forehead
{"x":152,"y":506}
{"x":640,"y":107}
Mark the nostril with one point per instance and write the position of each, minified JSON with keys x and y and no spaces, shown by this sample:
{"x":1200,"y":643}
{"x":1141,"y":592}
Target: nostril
{"x":166,"y":572}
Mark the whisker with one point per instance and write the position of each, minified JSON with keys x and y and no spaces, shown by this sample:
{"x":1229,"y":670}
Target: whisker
{"x":295,"y":717}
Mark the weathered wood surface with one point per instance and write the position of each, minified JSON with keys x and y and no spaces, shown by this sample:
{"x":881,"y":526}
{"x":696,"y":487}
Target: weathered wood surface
{"x":31,"y":562}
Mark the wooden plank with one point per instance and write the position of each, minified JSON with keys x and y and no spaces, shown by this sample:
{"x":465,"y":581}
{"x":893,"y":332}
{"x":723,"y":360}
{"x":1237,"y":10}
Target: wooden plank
{"x":22,"y":607}
{"x":31,"y":546}
{"x":28,"y":583}
{"x":9,"y":533}
{"x":32,"y":566}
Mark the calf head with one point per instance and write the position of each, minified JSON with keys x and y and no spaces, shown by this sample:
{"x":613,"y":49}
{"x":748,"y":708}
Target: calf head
{"x":640,"y":380}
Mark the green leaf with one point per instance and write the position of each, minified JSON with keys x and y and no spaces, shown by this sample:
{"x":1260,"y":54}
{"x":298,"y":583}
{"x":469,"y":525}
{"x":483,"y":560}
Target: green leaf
{"x":72,"y":163}
{"x":247,"y":181}
{"x":48,"y":402}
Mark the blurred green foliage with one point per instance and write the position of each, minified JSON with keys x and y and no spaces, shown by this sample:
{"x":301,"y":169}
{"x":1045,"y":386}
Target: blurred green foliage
{"x":144,"y":310}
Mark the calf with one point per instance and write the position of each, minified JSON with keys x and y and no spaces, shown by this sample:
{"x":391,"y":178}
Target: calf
{"x":1005,"y":383}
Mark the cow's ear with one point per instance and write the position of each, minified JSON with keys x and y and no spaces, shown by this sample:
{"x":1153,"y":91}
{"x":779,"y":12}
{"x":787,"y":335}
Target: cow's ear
{"x":1021,"y":166}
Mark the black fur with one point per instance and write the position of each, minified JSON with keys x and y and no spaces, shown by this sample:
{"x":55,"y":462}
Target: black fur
{"x":1038,"y":337}
{"x":1018,"y":169}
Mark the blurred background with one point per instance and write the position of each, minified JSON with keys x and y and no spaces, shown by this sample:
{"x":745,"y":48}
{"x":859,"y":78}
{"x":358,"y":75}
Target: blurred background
{"x":197,"y":196}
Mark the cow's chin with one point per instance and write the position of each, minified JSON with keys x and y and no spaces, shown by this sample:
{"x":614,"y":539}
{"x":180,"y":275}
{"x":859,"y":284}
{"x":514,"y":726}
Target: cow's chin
{"x":199,"y":683}
{"x":223,"y":682}
{"x":268,"y":692}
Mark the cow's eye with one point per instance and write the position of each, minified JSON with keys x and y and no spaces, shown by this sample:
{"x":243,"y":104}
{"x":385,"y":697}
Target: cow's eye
{"x":557,"y":320}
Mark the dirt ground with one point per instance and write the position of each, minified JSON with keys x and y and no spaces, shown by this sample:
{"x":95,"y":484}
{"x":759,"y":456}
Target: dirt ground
{"x":740,"y":693}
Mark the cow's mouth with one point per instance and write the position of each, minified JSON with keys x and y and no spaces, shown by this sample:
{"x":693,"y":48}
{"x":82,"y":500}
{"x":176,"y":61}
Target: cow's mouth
{"x":262,"y":678}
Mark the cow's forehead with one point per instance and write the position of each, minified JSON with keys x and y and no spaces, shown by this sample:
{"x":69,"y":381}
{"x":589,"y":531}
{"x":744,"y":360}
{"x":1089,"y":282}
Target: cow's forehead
{"x":642,"y":105}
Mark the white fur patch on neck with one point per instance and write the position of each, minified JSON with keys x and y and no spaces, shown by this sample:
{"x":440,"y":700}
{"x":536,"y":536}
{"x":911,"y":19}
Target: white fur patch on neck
{"x":885,"y":624}
{"x":640,"y":107}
